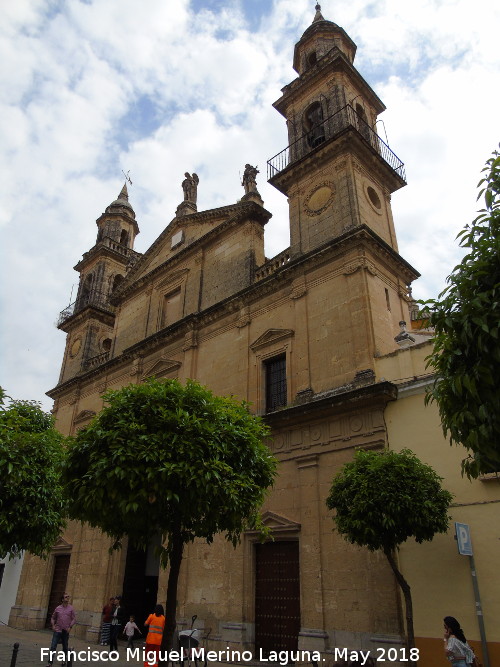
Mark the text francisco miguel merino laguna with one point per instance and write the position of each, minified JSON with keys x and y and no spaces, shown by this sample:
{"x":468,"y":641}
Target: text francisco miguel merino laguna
{"x":200,"y":654}
{"x":281,"y":658}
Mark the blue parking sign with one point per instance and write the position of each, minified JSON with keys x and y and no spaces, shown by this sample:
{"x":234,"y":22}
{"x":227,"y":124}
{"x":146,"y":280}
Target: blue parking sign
{"x":463,"y":539}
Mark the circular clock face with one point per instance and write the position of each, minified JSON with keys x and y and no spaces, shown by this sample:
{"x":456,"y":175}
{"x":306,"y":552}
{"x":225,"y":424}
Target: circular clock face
{"x":75,"y":347}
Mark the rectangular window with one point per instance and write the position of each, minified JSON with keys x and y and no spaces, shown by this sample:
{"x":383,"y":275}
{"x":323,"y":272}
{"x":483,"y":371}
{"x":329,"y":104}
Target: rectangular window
{"x":275,"y":383}
{"x":2,"y":568}
{"x":171,"y":311}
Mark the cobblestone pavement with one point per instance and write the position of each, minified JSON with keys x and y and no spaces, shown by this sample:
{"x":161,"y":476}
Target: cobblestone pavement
{"x":31,"y":642}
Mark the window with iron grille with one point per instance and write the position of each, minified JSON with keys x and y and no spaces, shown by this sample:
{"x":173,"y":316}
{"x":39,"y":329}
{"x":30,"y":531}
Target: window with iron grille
{"x":275,"y":383}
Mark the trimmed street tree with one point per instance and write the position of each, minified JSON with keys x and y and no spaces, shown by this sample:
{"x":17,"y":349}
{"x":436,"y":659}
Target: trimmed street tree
{"x":31,"y":493}
{"x":164,"y":458}
{"x":383,"y":498}
{"x":466,"y":320}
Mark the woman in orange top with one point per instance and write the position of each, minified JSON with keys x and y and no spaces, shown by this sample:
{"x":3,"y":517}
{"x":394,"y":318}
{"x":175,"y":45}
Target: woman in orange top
{"x":156,"y":623}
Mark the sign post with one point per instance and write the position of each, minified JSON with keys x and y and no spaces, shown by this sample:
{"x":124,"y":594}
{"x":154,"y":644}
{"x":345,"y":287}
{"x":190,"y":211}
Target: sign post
{"x":465,"y":549}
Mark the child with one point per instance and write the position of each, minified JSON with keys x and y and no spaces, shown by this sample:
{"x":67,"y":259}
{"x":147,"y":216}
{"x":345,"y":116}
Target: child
{"x":129,"y":630}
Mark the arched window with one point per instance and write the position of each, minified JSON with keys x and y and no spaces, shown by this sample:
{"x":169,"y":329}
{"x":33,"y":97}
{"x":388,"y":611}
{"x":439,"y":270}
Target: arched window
{"x":106,"y":344}
{"x":312,"y":59}
{"x":124,"y":237}
{"x":86,"y":293}
{"x":363,"y":126}
{"x":313,"y":125}
{"x":116,"y":281}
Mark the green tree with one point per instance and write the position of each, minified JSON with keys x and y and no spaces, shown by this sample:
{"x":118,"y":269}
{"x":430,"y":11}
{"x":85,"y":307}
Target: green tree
{"x":383,"y":498}
{"x":31,"y":493}
{"x":164,"y":458}
{"x":466,"y":353}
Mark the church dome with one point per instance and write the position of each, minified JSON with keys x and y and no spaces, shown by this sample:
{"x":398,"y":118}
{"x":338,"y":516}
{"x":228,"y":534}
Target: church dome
{"x":318,"y":39}
{"x":122,"y":201}
{"x":320,"y":23}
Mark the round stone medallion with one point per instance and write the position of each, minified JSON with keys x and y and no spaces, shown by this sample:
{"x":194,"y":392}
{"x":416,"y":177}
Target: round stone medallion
{"x":319,"y":199}
{"x":75,"y":347}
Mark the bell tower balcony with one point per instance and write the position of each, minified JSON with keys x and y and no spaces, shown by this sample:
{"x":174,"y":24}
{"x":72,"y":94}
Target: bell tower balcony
{"x":328,"y":134}
{"x":98,"y":301}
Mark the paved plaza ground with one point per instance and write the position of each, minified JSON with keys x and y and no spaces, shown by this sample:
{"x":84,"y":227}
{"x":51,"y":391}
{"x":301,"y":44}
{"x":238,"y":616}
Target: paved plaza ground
{"x":31,"y":642}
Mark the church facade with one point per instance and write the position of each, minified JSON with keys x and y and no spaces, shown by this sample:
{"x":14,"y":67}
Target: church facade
{"x":302,"y":337}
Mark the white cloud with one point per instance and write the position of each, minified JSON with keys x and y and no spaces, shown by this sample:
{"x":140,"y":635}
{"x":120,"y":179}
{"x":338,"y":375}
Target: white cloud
{"x":78,"y":79}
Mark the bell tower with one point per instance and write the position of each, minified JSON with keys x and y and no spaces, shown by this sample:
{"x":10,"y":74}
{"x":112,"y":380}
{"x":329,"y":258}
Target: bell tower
{"x":337,"y":173}
{"x":89,"y":321}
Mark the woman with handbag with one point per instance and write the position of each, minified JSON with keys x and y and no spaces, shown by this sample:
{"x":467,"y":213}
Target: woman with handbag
{"x":456,"y":648}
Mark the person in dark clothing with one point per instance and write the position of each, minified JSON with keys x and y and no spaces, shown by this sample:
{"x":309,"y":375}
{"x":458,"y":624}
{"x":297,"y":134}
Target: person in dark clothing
{"x":118,"y":619}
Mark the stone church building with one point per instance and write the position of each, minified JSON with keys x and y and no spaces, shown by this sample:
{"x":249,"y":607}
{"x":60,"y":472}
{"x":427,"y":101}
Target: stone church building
{"x":298,"y":336}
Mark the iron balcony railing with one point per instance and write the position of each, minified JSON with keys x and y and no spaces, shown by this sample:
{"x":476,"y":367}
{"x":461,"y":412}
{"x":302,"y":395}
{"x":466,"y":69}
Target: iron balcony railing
{"x":93,"y":298}
{"x":330,"y":128}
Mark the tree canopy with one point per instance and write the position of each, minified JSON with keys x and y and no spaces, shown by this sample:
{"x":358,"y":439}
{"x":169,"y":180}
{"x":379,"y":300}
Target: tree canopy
{"x":466,"y":320}
{"x":383,"y":498}
{"x":170,"y":459}
{"x":31,"y":494}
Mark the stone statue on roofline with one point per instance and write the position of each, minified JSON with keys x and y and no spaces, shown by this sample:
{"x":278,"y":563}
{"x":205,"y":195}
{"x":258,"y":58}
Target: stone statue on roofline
{"x":249,"y":181}
{"x":190,"y":187}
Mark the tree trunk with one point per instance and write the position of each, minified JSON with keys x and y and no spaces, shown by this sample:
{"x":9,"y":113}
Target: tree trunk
{"x":171,"y":602}
{"x":405,"y":587}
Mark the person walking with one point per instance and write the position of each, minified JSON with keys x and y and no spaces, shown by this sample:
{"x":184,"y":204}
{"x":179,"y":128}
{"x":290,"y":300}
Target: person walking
{"x":129,"y":631}
{"x":117,"y":620}
{"x":155,"y":622}
{"x":107,"y":612}
{"x":62,"y":620}
{"x":456,"y":648}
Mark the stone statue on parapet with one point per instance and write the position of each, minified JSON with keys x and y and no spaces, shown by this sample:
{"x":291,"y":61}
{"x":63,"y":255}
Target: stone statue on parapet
{"x":249,"y":181}
{"x":190,"y":187}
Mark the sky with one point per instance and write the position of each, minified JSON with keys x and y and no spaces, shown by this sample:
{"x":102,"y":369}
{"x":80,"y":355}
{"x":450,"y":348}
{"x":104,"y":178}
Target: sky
{"x":93,"y":89}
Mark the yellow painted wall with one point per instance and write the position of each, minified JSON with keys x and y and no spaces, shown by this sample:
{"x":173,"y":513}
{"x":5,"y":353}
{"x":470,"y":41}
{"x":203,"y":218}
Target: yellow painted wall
{"x":439,"y":577}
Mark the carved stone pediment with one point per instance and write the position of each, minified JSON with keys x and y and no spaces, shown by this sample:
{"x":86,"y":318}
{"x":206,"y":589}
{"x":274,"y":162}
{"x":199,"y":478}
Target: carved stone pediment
{"x":162,"y":368}
{"x":84,"y":415}
{"x":61,"y":546}
{"x":279,"y":526}
{"x":171,"y":279}
{"x":275,"y":521}
{"x":271,"y":336}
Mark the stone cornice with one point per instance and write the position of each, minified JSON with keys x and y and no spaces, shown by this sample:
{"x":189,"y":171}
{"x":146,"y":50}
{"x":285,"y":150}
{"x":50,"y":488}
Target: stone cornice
{"x":90,"y":312}
{"x":379,"y":393}
{"x":101,"y":250}
{"x":358,"y":235}
{"x":232,"y":304}
{"x":347,"y":142}
{"x":81,"y":378}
